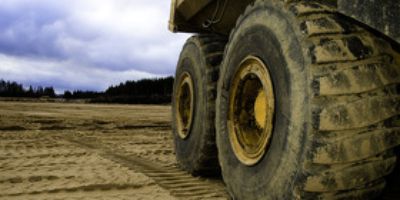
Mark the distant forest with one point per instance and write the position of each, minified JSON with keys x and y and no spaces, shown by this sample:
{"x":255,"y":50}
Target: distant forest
{"x":13,"y":89}
{"x":145,"y":91}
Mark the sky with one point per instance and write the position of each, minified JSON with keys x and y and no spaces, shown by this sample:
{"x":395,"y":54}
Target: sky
{"x":86,"y":44}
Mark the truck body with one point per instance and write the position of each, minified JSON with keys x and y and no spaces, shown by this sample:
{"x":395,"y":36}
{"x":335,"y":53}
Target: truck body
{"x":219,"y":16}
{"x":290,"y":99}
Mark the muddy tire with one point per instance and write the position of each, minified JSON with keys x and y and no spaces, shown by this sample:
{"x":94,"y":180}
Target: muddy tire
{"x":193,"y":104}
{"x":335,"y":109}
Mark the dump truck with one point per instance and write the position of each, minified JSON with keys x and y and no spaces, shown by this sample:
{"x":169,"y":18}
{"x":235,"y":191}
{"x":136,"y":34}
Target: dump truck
{"x":289,"y":99}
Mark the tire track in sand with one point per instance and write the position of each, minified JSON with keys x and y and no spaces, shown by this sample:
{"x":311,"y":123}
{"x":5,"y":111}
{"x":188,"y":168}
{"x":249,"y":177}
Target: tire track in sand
{"x":53,"y":168}
{"x":178,"y":182}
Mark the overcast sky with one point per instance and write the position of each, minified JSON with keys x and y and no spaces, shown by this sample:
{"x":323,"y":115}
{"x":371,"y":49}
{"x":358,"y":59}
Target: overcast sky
{"x":86,"y":44}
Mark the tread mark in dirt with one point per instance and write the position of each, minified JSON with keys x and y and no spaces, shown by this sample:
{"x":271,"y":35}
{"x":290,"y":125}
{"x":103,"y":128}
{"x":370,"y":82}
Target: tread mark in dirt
{"x":178,"y":182}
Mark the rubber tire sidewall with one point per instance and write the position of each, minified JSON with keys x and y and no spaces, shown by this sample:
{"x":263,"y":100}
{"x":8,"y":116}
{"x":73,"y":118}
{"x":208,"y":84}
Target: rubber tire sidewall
{"x":188,"y":150}
{"x":267,"y":34}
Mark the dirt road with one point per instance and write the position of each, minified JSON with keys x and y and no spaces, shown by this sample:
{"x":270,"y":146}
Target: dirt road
{"x":80,"y":151}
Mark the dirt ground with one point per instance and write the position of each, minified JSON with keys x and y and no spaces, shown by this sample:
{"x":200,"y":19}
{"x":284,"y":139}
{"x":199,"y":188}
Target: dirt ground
{"x":85,"y":151}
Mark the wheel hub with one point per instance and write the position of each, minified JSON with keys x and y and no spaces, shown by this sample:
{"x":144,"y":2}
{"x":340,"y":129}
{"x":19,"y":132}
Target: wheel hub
{"x":251,"y":111}
{"x":184,"y":108}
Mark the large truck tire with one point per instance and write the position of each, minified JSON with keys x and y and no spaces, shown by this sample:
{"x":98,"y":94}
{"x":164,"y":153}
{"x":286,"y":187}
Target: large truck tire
{"x":193,"y":104}
{"x":308,"y":105}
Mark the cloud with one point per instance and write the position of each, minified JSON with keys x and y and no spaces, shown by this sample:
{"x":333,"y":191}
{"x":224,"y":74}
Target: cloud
{"x":89,"y":44}
{"x":64,"y":74}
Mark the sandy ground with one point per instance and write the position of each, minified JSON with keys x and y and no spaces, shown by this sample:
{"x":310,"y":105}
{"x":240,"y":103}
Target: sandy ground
{"x":81,"y":151}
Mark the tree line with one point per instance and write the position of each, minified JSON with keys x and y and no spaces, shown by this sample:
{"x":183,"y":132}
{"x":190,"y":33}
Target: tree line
{"x":145,"y":91}
{"x":14,"y":89}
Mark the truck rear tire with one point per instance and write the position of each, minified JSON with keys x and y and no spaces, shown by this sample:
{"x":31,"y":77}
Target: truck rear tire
{"x":308,"y":105}
{"x":193,"y":104}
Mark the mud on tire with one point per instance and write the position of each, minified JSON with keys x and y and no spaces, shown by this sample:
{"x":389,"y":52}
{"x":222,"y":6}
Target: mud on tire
{"x":337,"y":105}
{"x":196,"y":150}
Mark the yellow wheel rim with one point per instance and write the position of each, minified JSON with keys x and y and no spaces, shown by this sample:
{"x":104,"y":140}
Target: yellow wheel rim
{"x":184,"y":101}
{"x":251,"y":111}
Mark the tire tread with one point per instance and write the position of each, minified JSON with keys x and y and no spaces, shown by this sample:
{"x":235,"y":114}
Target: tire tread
{"x":353,"y":75}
